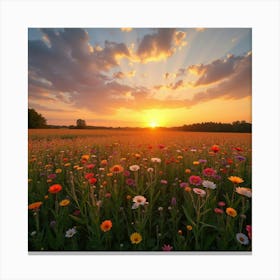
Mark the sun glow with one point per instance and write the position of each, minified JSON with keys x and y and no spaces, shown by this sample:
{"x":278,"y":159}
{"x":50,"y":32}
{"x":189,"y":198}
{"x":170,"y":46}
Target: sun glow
{"x":153,"y":124}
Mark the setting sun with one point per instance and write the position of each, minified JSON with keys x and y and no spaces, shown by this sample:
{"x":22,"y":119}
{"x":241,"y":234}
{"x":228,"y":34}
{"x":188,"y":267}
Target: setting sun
{"x":153,"y":124}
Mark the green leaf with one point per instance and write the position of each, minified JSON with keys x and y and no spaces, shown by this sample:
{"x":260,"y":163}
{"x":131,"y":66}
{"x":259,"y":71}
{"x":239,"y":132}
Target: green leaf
{"x":77,"y":220}
{"x":187,"y":215}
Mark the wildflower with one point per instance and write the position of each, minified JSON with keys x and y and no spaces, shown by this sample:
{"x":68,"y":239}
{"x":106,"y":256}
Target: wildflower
{"x":33,"y":233}
{"x":188,"y":189}
{"x":108,"y":195}
{"x":242,"y":238}
{"x":92,"y":181}
{"x":187,"y":171}
{"x":104,"y":162}
{"x":209,"y":172}
{"x":215,"y":148}
{"x":167,"y":248}
{"x":218,"y":211}
{"x":179,"y":157}
{"x":173,"y":201}
{"x":85,"y":157}
{"x":240,"y":158}
{"x":236,"y":179}
{"x":138,"y":200}
{"x":70,"y":232}
{"x":208,"y":185}
{"x":221,"y":203}
{"x":231,"y":212}
{"x":135,"y":238}
{"x":150,"y":170}
{"x":77,"y":212}
{"x":89,"y":176}
{"x":137,"y":156}
{"x":130,"y":181}
{"x":164,"y":182}
{"x":58,"y":170}
{"x":46,"y":197}
{"x":160,"y":208}
{"x":189,"y":227}
{"x":161,"y":146}
{"x":128,"y":197}
{"x":244,"y":191}
{"x":183,"y":184}
{"x":106,"y":225}
{"x":249,"y":231}
{"x":156,"y":160}
{"x":116,"y":168}
{"x":200,"y":192}
{"x":52,"y":176}
{"x":90,"y":166}
{"x":35,"y":205}
{"x":109,"y":174}
{"x":195,"y":180}
{"x":196,"y":162}
{"x":52,"y":224}
{"x":134,"y":167}
{"x":64,"y":202}
{"x":55,"y":188}
{"x":202,"y":160}
{"x":67,"y":164}
{"x":180,"y":232}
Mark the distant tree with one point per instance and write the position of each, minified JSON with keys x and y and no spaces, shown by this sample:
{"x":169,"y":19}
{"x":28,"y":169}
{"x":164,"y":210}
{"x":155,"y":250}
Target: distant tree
{"x":81,"y":123}
{"x":36,"y":120}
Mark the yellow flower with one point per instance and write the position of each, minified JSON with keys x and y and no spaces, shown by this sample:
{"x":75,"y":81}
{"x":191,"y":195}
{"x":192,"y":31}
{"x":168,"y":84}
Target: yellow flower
{"x":64,"y":202}
{"x":231,"y":212}
{"x":135,"y":238}
{"x":67,"y":164}
{"x":49,"y":180}
{"x":196,"y":163}
{"x":189,"y":227}
{"x":58,"y":170}
{"x":236,"y":180}
{"x":104,"y":162}
{"x":80,"y":168}
{"x":179,"y":157}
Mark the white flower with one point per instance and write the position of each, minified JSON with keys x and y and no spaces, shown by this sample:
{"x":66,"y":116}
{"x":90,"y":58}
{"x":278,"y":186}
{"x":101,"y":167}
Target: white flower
{"x":208,"y":184}
{"x":244,"y":191}
{"x":70,"y":232}
{"x":156,"y":160}
{"x":242,"y":238}
{"x":150,"y":170}
{"x":200,"y":192}
{"x":134,"y":167}
{"x":138,"y":200}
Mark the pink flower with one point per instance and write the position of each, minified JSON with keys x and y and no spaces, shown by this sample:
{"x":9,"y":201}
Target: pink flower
{"x":167,"y":248}
{"x":130,"y":181}
{"x":210,"y":172}
{"x":249,"y":231}
{"x":90,"y":166}
{"x":218,"y":211}
{"x":200,"y":192}
{"x":221,"y":203}
{"x":195,"y":180}
{"x":163,"y":182}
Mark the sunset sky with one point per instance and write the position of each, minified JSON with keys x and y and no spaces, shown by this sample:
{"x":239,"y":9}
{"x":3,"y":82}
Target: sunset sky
{"x":140,"y":76}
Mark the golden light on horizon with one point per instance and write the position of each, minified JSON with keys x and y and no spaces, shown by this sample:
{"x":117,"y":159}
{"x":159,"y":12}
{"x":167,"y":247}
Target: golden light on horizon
{"x":153,"y":124}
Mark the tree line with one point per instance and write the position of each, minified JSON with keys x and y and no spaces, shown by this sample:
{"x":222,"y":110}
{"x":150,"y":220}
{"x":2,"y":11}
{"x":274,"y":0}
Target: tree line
{"x":36,"y":120}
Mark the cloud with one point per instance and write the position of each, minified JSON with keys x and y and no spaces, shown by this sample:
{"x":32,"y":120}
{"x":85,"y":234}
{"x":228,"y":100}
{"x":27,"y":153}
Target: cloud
{"x":126,"y":29}
{"x":160,"y":45}
{"x":215,"y":71}
{"x":122,"y":75}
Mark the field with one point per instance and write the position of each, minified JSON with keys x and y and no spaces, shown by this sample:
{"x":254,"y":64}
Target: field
{"x":150,"y":190}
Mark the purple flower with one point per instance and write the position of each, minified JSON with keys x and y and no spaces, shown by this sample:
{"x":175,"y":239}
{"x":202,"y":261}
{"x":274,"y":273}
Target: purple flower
{"x":173,"y":201}
{"x":202,"y":160}
{"x":167,"y":248}
{"x":52,"y":176}
{"x":52,"y":224}
{"x":184,"y":184}
{"x":130,"y":181}
{"x":240,"y":158}
{"x":126,"y":173}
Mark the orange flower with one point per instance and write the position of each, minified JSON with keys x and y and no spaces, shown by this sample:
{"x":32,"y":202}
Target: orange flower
{"x":104,"y":162}
{"x":64,"y":202}
{"x":236,"y":180}
{"x":106,"y":225}
{"x":231,"y":212}
{"x":116,"y":168}
{"x":55,"y":188}
{"x":35,"y":205}
{"x":188,"y":189}
{"x":188,"y":171}
{"x":85,"y":157}
{"x":189,"y":227}
{"x":215,"y":148}
{"x":135,"y":238}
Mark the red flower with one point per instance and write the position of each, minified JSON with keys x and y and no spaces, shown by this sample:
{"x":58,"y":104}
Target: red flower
{"x":55,"y":188}
{"x":92,"y":180}
{"x":90,"y":166}
{"x":215,"y":148}
{"x":195,"y":180}
{"x":209,"y":172}
{"x":89,"y":176}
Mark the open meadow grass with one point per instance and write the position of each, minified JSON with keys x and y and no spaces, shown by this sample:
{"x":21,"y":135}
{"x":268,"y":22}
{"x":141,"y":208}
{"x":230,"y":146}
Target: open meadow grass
{"x":146,"y":190}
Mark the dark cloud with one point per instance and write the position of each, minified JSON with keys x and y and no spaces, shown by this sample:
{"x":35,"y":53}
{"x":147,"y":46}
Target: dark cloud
{"x":215,"y":71}
{"x":160,"y":45}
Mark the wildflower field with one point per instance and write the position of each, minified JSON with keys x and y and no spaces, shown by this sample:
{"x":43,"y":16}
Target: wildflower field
{"x":142,"y":190}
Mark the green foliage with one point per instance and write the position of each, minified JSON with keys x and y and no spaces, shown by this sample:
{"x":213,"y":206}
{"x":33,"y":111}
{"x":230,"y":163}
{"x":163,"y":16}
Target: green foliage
{"x":36,"y":120}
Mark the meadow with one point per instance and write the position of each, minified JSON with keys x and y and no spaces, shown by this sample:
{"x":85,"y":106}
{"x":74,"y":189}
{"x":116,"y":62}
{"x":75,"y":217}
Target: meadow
{"x":150,"y":190}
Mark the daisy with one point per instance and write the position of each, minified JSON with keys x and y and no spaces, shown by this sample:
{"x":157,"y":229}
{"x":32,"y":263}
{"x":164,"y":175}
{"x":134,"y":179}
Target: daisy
{"x":242,"y":238}
{"x":70,"y":232}
{"x":244,"y":191}
{"x":208,"y":184}
{"x":135,"y":238}
{"x":156,"y":160}
{"x":138,"y":200}
{"x":200,"y":192}
{"x":231,"y":212}
{"x":236,"y":179}
{"x":134,"y":167}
